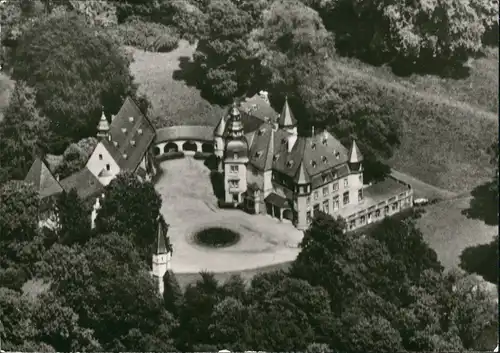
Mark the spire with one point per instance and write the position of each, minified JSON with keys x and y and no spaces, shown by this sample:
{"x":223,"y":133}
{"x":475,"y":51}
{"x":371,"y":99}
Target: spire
{"x":302,"y":177}
{"x":355,"y":155}
{"x":162,"y":244}
{"x":103,"y":127}
{"x":235,"y":127}
{"x":286,"y":117}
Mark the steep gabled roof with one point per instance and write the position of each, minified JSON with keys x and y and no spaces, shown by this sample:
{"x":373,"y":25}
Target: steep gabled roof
{"x":84,"y":182}
{"x":42,"y":178}
{"x":131,"y":135}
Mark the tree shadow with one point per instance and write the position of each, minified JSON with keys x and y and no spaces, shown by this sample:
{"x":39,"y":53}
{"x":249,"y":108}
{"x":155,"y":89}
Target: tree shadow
{"x":211,"y":162}
{"x":483,"y":205}
{"x":190,"y":72}
{"x":217,"y":180}
{"x":482,"y":259}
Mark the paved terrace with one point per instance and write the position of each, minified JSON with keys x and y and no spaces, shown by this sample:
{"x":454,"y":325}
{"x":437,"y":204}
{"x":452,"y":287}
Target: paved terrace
{"x":189,"y":205}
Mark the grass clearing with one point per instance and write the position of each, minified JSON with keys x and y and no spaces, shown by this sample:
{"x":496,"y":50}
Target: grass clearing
{"x":171,"y":99}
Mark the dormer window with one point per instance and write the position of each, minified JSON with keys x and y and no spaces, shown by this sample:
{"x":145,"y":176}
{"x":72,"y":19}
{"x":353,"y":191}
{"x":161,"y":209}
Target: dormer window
{"x":325,"y":141}
{"x":284,"y":141}
{"x":337,"y":154}
{"x":325,"y":178}
{"x":313,"y":163}
{"x":139,"y":131}
{"x":258,"y":154}
{"x":132,"y":142}
{"x":276,"y":157}
{"x":131,"y":119}
{"x":261,"y":132}
{"x":125,"y":156}
{"x":323,"y":159}
{"x":115,"y":143}
{"x":124,"y":129}
{"x":289,"y":164}
{"x":313,"y":146}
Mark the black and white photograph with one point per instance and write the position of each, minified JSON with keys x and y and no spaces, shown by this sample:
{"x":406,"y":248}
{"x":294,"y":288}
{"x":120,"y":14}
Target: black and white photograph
{"x":316,"y":176}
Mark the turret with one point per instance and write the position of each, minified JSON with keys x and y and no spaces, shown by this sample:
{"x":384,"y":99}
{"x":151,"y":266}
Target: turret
{"x":162,"y":255}
{"x":355,"y":157}
{"x":235,"y":158}
{"x":302,"y":192}
{"x":286,"y":120}
{"x":103,"y":127}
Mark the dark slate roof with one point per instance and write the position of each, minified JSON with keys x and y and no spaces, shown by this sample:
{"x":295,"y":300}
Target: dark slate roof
{"x":131,"y":135}
{"x":43,"y":180}
{"x":383,"y":190}
{"x":185,"y":132}
{"x":84,"y":182}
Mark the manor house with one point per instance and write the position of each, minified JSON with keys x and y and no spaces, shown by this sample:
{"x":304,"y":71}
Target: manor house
{"x":269,"y":167}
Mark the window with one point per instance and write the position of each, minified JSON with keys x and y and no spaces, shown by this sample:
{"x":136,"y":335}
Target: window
{"x":308,"y":201}
{"x":377,"y":213}
{"x":362,"y":220}
{"x":100,"y":157}
{"x":315,"y":195}
{"x":346,"y":198}
{"x":386,"y":209}
{"x":360,"y":195}
{"x":336,"y":203}
{"x":108,"y":167}
{"x":233,"y":183}
{"x":325,"y":191}
{"x":394,"y":206}
{"x":236,"y":198}
{"x":346,"y":184}
{"x":352,"y":224}
{"x":335,"y":186}
{"x":325,"y":178}
{"x":316,"y":208}
{"x":308,"y":216}
{"x":326,"y":206}
{"x":369,"y":217}
{"x":234,"y":169}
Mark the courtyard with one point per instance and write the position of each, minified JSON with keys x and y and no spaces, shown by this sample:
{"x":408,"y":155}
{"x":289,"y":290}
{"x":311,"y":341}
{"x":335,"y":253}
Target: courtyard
{"x":189,"y":206}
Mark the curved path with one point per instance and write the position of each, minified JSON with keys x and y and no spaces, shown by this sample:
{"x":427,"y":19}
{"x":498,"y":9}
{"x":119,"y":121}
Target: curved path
{"x":189,"y":205}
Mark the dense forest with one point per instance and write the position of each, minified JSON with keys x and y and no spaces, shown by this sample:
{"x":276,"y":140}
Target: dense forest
{"x":63,"y":289}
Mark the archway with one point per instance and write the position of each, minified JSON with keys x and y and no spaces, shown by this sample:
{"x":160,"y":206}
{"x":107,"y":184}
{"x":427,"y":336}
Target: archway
{"x":207,"y":147}
{"x":170,"y":147}
{"x":288,"y":214}
{"x":189,"y":146}
{"x":156,"y":150}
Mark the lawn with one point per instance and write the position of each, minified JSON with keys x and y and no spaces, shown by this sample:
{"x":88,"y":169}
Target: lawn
{"x":171,"y":99}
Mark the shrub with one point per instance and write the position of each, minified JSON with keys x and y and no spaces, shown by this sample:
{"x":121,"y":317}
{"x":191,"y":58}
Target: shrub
{"x":148,"y":36}
{"x":202,"y":155}
{"x":170,"y":155}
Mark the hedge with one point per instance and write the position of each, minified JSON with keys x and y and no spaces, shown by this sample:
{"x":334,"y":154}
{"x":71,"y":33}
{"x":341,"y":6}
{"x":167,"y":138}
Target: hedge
{"x":170,"y":155}
{"x":202,"y":155}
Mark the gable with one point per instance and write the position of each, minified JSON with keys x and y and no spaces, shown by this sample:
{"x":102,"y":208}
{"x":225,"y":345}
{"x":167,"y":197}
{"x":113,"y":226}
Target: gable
{"x":101,"y":157}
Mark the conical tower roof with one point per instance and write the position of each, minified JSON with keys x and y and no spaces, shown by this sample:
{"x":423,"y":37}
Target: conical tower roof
{"x":286,"y":117}
{"x":302,"y":177}
{"x":235,"y":125}
{"x":220,"y":128}
{"x":355,"y":155}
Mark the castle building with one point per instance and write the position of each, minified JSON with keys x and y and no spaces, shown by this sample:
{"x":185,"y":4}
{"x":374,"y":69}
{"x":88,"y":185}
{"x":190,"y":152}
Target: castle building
{"x":269,"y":168}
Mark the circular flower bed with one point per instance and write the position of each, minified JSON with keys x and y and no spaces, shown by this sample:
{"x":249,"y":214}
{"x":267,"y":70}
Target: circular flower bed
{"x":216,"y":237}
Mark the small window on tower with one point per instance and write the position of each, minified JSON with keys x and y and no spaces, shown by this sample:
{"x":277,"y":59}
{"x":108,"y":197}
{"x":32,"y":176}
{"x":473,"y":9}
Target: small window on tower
{"x":234,"y":169}
{"x":235,"y":156}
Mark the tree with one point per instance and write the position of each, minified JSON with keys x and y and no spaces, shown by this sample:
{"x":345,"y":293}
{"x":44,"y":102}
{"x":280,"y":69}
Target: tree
{"x":76,"y":156}
{"x":228,"y":324}
{"x":172,"y":293}
{"x":223,"y":60}
{"x":23,"y":133}
{"x":73,"y":219}
{"x":19,"y":205}
{"x":123,"y":211}
{"x":75,"y":72}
